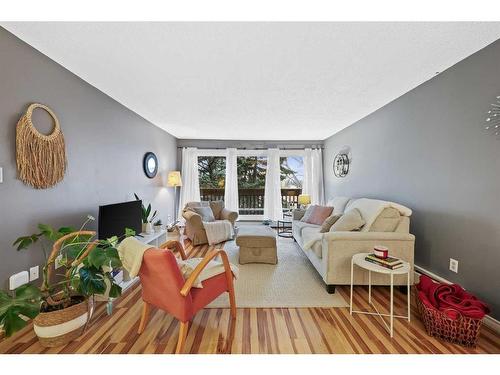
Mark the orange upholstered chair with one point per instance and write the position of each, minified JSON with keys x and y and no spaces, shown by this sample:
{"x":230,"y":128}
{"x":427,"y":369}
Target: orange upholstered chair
{"x":164,"y":287}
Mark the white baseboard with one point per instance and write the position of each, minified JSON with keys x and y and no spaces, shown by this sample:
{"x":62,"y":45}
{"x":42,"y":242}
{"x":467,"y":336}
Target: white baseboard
{"x":488,"y":321}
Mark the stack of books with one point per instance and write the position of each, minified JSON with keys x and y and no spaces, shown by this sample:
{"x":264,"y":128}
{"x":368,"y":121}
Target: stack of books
{"x":389,"y":262}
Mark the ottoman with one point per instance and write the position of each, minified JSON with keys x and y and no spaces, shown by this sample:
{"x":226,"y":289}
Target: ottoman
{"x":257,"y":245}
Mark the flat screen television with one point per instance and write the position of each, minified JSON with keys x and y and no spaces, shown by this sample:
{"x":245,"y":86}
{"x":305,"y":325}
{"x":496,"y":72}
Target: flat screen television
{"x":114,"y":218}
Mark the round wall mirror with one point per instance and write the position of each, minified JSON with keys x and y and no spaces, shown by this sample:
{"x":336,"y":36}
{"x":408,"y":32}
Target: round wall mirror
{"x":150,"y":164}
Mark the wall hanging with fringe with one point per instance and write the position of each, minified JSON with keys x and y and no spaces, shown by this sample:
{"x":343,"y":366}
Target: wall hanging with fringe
{"x":41,"y":159}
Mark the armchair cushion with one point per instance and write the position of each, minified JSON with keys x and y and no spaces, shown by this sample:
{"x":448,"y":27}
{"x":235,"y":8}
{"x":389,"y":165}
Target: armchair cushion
{"x":197,"y":204}
{"x":217,"y":207}
{"x":206,"y":213}
{"x":213,"y":268}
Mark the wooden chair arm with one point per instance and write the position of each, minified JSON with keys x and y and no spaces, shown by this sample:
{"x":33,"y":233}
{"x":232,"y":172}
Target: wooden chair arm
{"x":176,"y":245}
{"x":210,"y":255}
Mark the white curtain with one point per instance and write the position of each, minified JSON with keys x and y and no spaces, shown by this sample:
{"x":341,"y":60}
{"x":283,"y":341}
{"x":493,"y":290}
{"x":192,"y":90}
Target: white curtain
{"x":231,"y":183}
{"x":272,"y":194}
{"x":313,"y":175}
{"x":190,"y":190}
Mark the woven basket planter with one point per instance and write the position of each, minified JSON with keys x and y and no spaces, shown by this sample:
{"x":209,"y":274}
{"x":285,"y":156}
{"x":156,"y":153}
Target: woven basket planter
{"x":463,"y":331}
{"x":60,"y":327}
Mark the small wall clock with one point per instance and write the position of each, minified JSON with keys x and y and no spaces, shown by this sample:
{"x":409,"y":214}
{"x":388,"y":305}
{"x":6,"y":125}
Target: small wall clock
{"x":150,"y":164}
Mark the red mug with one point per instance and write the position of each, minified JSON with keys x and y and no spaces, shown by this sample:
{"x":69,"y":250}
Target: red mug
{"x":381,"y":251}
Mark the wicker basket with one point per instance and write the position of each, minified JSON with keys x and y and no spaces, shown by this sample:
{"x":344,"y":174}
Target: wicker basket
{"x":59,"y":327}
{"x":463,"y":331}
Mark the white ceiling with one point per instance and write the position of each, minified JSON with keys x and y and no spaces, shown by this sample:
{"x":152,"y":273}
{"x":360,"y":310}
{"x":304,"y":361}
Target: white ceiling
{"x":255,"y":81}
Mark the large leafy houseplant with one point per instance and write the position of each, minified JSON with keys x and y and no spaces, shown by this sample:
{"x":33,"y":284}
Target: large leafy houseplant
{"x":86,"y":265}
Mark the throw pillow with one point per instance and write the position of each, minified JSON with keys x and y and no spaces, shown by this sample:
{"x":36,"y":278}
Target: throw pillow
{"x":206,"y":213}
{"x":308,"y":213}
{"x":350,"y":221}
{"x":187,"y":267}
{"x":329,"y":221}
{"x":217,"y":207}
{"x":319,"y":215}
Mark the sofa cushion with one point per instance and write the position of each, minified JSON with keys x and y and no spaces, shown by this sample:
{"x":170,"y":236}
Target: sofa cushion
{"x":387,"y":221}
{"x":217,"y":207}
{"x":308,"y":213}
{"x":349,"y":221}
{"x":329,"y":221}
{"x":319,"y":215}
{"x":300,"y":225}
{"x":206,"y":213}
{"x":339,"y":204}
{"x":311,"y":233}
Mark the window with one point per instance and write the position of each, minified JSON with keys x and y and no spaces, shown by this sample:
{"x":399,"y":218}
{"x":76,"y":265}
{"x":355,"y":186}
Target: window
{"x":212,"y":172}
{"x":251,"y":184}
{"x":251,"y":169}
{"x":292,"y":176}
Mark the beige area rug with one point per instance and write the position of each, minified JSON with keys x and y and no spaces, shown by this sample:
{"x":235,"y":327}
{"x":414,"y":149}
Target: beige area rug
{"x":293,"y":282}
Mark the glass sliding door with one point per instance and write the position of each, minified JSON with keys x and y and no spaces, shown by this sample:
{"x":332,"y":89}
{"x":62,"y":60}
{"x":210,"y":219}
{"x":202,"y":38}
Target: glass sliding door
{"x":251,"y":184}
{"x":212,"y":173}
{"x":292,"y":176}
{"x":251,"y":171}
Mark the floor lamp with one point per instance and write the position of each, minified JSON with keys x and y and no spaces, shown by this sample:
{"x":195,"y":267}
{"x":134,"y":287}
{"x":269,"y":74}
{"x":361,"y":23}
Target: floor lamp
{"x":174,"y":180}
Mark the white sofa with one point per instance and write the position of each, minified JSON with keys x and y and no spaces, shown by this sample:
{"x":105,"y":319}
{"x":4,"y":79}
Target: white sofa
{"x":331,"y":254}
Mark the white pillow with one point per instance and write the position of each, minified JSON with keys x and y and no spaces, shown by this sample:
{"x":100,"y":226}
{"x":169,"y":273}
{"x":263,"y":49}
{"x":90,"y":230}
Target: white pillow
{"x":213,"y":268}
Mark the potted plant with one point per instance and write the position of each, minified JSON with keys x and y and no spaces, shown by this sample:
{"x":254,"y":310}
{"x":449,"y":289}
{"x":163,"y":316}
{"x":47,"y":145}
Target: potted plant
{"x":147,"y":218}
{"x":173,"y":231}
{"x":62,"y":306}
{"x":158,"y":225}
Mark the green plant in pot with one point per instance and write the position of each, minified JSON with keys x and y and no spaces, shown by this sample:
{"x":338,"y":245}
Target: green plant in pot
{"x":147,"y":218}
{"x":158,"y":224}
{"x":86,"y":265}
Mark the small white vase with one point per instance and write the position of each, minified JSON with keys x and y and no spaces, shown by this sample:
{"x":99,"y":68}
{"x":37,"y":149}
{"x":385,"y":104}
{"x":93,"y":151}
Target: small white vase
{"x":147,"y":228}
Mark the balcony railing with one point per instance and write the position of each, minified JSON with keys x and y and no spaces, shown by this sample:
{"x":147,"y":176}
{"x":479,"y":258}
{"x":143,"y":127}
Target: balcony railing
{"x":251,"y":201}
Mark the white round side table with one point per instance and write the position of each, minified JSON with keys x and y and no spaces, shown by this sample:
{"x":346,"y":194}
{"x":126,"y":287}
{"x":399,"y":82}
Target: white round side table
{"x":359,"y":260}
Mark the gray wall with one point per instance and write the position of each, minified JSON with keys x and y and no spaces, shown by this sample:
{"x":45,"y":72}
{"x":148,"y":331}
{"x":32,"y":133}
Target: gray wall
{"x":428,"y":150}
{"x":105,"y":143}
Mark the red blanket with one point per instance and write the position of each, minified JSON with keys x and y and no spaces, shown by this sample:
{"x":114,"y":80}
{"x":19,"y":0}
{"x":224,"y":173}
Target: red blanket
{"x":451,"y":299}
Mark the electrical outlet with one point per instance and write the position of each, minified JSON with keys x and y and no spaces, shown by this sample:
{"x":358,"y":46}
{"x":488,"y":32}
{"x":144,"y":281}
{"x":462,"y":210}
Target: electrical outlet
{"x":453,"y":265}
{"x":57,"y":262}
{"x":34,"y":273}
{"x":18,"y":279}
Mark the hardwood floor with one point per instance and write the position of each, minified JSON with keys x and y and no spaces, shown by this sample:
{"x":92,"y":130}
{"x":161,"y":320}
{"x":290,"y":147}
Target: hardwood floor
{"x":268,"y":330}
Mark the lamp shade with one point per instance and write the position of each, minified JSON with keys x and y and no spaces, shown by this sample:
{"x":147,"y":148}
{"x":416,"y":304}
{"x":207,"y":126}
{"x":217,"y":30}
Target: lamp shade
{"x":304,"y":199}
{"x":174,"y":179}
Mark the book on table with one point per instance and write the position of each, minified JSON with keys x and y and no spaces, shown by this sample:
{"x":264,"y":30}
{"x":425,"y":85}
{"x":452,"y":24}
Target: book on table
{"x":389,"y":262}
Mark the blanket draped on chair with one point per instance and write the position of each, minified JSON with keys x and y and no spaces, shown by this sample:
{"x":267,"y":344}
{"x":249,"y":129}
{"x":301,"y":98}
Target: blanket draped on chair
{"x":218,"y":231}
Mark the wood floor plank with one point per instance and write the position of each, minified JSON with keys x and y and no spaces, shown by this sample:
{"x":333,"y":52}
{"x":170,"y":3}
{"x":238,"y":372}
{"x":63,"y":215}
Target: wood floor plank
{"x":255,"y":330}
